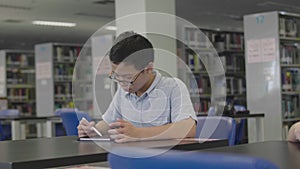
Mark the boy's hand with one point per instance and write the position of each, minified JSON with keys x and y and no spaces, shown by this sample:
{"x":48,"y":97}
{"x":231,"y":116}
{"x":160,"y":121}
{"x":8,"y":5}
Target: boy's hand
{"x":122,"y":131}
{"x":84,"y":128}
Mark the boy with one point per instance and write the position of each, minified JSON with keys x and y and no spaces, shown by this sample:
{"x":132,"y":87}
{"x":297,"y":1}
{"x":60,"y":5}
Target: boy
{"x":146,"y":105}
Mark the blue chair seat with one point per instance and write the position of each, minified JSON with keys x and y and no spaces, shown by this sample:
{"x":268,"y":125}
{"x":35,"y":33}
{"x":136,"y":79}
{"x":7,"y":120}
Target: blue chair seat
{"x":131,"y":158}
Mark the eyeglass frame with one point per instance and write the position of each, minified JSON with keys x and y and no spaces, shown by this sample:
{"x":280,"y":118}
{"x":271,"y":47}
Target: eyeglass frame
{"x":112,"y":73}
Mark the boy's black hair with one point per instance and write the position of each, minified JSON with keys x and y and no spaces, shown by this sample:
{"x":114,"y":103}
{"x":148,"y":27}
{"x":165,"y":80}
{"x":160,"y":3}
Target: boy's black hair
{"x":132,"y":48}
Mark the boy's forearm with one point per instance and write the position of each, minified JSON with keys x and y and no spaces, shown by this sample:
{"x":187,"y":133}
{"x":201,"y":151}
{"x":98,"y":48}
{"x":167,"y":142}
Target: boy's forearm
{"x":181,"y":129}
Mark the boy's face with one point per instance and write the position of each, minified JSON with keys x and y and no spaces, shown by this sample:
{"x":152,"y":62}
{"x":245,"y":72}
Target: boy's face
{"x":129,"y":78}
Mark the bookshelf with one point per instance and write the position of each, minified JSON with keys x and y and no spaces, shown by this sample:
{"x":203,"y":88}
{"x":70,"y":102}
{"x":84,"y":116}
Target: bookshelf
{"x":229,"y":47}
{"x":273,"y":66}
{"x":58,"y":84}
{"x":17,"y":81}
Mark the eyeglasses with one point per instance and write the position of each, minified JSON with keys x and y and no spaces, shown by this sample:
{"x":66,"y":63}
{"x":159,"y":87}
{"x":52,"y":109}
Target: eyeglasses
{"x":113,"y":76}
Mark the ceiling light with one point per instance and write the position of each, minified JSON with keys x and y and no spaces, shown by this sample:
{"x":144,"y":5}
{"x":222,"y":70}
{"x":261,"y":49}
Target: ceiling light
{"x":52,"y":23}
{"x":111,"y":28}
{"x":282,"y":12}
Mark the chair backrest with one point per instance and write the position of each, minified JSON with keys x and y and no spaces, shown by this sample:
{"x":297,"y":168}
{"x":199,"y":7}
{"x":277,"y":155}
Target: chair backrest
{"x":178,"y":160}
{"x":70,"y":120}
{"x":240,"y":131}
{"x":216,"y":127}
{"x":9,"y":112}
{"x":60,"y":110}
{"x":2,"y":136}
{"x":239,"y":124}
{"x":5,"y":129}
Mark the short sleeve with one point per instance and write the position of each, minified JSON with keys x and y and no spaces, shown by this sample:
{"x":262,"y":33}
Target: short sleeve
{"x":181,"y":105}
{"x":112,"y":112}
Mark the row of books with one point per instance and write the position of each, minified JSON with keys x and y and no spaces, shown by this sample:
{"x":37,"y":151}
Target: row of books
{"x":289,"y":105}
{"x":63,"y":90}
{"x":63,"y":72}
{"x":195,"y":63}
{"x":3,"y":103}
{"x":288,"y":27}
{"x":196,"y":38}
{"x":231,"y":63}
{"x":66,"y":53}
{"x":203,"y":61}
{"x":83,"y":91}
{"x":228,"y":42}
{"x":20,"y":94}
{"x":235,"y":85}
{"x":202,"y":106}
{"x":221,"y":40}
{"x":290,"y":79}
{"x":289,"y":54}
{"x":24,"y":108}
{"x":201,"y":85}
{"x":19,"y":60}
{"x":20,"y":76}
{"x":59,"y":105}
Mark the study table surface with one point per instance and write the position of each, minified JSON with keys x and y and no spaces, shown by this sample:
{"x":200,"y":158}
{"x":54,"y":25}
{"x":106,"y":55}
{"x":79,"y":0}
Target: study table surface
{"x":286,"y":155}
{"x":63,"y":151}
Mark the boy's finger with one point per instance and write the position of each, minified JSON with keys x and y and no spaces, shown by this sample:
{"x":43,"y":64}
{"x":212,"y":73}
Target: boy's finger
{"x":116,"y":124}
{"x":112,"y":131}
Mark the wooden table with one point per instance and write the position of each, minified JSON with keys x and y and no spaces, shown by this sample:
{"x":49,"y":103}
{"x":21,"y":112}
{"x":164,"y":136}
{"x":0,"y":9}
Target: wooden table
{"x":64,"y":151}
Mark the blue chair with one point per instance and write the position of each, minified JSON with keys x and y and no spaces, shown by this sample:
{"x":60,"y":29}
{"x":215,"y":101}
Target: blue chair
{"x":60,"y":110}
{"x":9,"y":112}
{"x":5,"y":130}
{"x":129,"y":159}
{"x":239,"y":125}
{"x":2,"y":136}
{"x":216,"y":127}
{"x":59,"y":128}
{"x":240,"y":131}
{"x":70,"y":120}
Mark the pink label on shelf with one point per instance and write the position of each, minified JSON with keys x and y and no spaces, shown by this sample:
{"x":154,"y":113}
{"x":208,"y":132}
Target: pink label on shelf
{"x":261,"y":50}
{"x":43,"y":70}
{"x":268,"y":49}
{"x":254,"y":51}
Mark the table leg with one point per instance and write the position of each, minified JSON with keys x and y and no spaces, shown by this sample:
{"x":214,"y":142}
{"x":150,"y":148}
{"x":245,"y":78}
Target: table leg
{"x":260,"y":129}
{"x":49,"y":129}
{"x":39,"y":128}
{"x":255,"y":129}
{"x":285,"y":131}
{"x":15,"y":130}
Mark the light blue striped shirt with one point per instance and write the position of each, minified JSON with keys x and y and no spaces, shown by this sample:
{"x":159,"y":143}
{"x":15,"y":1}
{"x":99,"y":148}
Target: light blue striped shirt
{"x":167,"y":100}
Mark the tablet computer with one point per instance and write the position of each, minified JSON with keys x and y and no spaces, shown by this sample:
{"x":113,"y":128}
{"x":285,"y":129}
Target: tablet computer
{"x":99,"y":136}
{"x":94,"y":138}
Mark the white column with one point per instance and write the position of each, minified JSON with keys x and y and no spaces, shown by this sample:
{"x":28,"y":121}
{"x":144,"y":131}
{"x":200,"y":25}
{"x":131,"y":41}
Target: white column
{"x":152,"y":24}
